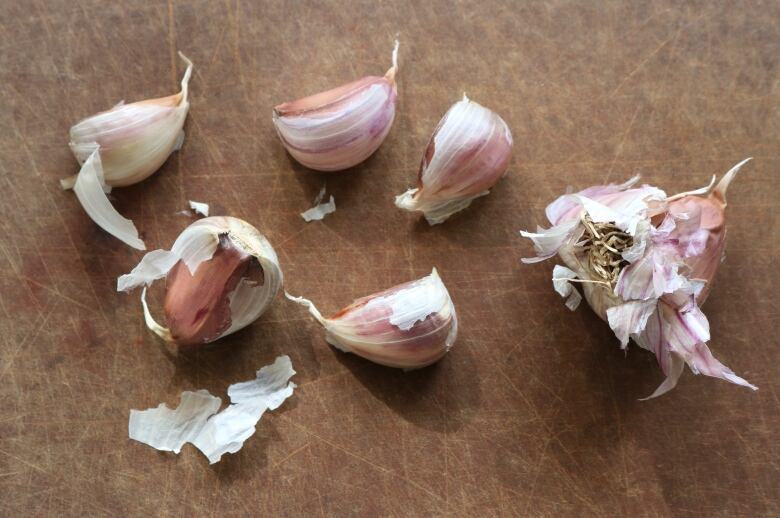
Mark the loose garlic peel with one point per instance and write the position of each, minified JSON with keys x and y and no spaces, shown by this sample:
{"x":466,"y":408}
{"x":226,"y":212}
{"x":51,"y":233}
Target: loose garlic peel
{"x":646,"y":262}
{"x":91,"y":189}
{"x":123,"y":146}
{"x":467,"y":154}
{"x":408,"y":326}
{"x":341,"y":127}
{"x":197,"y":244}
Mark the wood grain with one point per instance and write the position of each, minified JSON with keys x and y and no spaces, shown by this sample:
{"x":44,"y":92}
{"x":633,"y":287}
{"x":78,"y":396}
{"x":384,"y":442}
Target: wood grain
{"x":535,"y":411}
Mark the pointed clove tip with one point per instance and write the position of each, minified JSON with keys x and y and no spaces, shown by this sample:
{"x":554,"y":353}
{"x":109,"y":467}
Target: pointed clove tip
{"x":390,"y":74}
{"x":723,"y":185}
{"x":187,"y":74}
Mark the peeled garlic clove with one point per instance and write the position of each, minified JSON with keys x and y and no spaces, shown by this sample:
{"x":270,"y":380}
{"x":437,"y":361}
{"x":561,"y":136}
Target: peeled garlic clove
{"x":222,"y":274}
{"x":467,"y":154}
{"x":135,"y":139}
{"x":408,"y":326}
{"x":646,"y":262}
{"x":339,"y":128}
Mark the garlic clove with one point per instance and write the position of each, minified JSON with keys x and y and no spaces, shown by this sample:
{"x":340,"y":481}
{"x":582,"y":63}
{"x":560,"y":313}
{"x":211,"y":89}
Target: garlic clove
{"x":135,"y":139}
{"x":710,"y":211}
{"x":197,"y":308}
{"x":645,"y":262}
{"x":222,"y":274}
{"x":467,"y":154}
{"x":341,"y":127}
{"x":409,"y":326}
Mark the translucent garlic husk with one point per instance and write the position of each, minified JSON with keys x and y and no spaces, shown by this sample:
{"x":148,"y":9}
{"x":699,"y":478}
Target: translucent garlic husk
{"x":645,"y":262}
{"x":222,"y":274}
{"x":409,"y":326}
{"x":341,"y":127}
{"x":467,"y":155}
{"x":134,"y":139}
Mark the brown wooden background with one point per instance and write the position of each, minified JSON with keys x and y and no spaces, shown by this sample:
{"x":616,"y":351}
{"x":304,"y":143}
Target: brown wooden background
{"x":535,"y":411}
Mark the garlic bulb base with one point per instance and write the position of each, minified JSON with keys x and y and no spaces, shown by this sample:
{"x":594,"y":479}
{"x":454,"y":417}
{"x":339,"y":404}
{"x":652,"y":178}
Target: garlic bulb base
{"x":435,"y":212}
{"x":68,"y":183}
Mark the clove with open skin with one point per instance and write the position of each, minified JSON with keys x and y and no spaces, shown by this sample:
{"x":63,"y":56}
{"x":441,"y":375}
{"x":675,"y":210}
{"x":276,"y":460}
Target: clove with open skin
{"x":408,"y":326}
{"x":221,"y":275}
{"x":646,"y":263}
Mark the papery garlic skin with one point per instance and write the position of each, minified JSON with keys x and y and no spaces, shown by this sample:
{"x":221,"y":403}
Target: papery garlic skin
{"x":341,"y":127}
{"x":212,"y":290}
{"x":409,"y":326}
{"x":468,"y":153}
{"x":646,"y":262}
{"x":135,"y":139}
{"x":91,"y":190}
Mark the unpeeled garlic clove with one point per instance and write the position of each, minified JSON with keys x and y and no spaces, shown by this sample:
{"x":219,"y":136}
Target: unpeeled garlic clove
{"x":134,"y":139}
{"x":646,"y":262}
{"x":222,"y":274}
{"x":467,"y":154}
{"x":409,"y":326}
{"x":341,"y":127}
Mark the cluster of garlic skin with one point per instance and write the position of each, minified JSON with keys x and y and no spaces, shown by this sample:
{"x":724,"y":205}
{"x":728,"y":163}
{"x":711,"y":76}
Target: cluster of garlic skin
{"x":661,"y":255}
{"x":645,"y":261}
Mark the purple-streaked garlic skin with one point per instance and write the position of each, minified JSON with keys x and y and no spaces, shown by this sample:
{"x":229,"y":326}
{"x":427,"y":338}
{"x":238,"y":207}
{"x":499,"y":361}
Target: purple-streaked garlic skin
{"x":668,"y":253}
{"x":197,"y":306}
{"x":409,"y":326}
{"x":341,"y":127}
{"x":377,"y":339}
{"x":468,"y":153}
{"x":713,"y":220}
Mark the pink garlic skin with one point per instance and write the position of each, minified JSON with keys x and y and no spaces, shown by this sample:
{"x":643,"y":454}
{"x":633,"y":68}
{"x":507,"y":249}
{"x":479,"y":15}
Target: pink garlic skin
{"x":713,"y":219}
{"x":468,"y":153}
{"x":426,"y":342}
{"x":339,"y":128}
{"x":408,"y":326}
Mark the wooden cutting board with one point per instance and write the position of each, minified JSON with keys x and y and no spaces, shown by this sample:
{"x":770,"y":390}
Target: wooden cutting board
{"x":535,"y":411}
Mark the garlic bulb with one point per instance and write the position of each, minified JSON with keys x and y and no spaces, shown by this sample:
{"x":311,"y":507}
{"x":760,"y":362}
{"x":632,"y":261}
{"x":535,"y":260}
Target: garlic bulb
{"x":134,"y":139}
{"x":408,"y":326}
{"x":646,"y":262}
{"x":467,"y":154}
{"x":222,"y":274}
{"x":339,"y":128}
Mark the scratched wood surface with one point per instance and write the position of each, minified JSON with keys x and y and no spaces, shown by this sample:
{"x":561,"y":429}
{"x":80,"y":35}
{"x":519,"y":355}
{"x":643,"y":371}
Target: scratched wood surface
{"x":535,"y":411}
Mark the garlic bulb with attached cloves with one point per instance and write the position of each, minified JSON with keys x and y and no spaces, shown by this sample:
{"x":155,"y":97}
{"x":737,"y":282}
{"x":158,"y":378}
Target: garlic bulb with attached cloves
{"x":467,"y":154}
{"x":221,"y":275}
{"x":408,"y":326}
{"x":339,"y":128}
{"x":646,"y":262}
